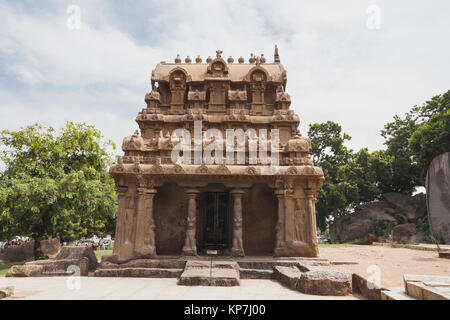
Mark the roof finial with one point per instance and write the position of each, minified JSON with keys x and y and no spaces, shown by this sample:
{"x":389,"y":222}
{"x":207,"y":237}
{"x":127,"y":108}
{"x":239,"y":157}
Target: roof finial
{"x":276,"y":57}
{"x":219,"y":53}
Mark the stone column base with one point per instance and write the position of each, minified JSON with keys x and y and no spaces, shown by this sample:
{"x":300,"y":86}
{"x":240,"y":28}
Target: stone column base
{"x":189,"y":252}
{"x":237,"y":253}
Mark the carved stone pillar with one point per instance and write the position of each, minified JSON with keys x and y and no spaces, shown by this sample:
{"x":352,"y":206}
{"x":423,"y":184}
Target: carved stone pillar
{"x":279,"y":236}
{"x":289,"y":221}
{"x":190,"y":247}
{"x":311,"y":217}
{"x":145,"y":226}
{"x":238,"y":249}
{"x":120,"y":224}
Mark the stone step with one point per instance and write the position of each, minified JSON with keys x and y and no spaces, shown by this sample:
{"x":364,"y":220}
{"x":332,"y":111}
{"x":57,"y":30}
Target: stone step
{"x":427,"y":287}
{"x":61,"y":273}
{"x":139,"y":272}
{"x":255,"y":273}
{"x":146,"y":263}
{"x":207,"y":273}
{"x":395,"y":293}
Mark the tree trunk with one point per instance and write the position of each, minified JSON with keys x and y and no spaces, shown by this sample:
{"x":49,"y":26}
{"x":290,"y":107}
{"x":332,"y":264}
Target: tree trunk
{"x":37,"y":247}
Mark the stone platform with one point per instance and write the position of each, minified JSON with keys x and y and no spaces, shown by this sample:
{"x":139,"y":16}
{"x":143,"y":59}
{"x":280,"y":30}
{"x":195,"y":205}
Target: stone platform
{"x":300,"y":274}
{"x":420,"y":287}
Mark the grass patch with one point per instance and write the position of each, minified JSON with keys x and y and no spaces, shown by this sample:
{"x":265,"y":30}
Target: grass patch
{"x":4,"y":267}
{"x":337,"y":245}
{"x":100,"y":253}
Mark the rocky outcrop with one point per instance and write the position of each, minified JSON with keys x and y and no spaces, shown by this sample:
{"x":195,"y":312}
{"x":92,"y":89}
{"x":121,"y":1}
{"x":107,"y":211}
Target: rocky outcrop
{"x":375,"y":221}
{"x":25,"y":252}
{"x":406,"y":233}
{"x":67,"y":262}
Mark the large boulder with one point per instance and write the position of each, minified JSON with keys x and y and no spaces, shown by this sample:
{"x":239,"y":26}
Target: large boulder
{"x":27,"y":270}
{"x":377,"y":210}
{"x":24,"y":252}
{"x":50,"y":248}
{"x":438,"y":199}
{"x":77,"y":253}
{"x":406,"y":233}
{"x":63,"y":265}
{"x":352,"y":230}
{"x":413,"y":208}
{"x":374,"y":221}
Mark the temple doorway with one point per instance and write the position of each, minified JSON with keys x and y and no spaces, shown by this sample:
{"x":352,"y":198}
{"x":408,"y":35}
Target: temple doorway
{"x":215,"y":221}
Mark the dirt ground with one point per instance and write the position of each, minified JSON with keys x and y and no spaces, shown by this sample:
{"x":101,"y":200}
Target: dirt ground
{"x":393,"y":262}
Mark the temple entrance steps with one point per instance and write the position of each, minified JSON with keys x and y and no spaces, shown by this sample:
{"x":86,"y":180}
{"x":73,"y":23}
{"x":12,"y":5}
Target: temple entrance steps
{"x":210,"y":273}
{"x":142,"y":268}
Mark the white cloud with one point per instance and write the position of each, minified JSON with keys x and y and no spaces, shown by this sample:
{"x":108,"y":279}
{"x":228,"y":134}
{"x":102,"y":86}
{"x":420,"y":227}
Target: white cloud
{"x":337,"y":68}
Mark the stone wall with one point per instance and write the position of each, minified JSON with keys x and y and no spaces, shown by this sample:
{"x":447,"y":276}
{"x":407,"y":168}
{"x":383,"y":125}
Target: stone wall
{"x":259,"y":221}
{"x":170,"y":214}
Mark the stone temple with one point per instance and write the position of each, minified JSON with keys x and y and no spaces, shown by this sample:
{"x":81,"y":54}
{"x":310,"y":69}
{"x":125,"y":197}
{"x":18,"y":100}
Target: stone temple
{"x":246,"y":208}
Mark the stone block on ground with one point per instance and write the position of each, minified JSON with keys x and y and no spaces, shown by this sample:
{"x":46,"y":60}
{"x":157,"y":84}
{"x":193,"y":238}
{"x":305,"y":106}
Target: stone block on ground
{"x":288,"y":276}
{"x":24,"y":252}
{"x":6,"y":292}
{"x":366,"y":288}
{"x":50,"y":248}
{"x":205,"y":273}
{"x":26,"y":270}
{"x":325,"y":283}
{"x":427,"y":287}
{"x":69,"y":252}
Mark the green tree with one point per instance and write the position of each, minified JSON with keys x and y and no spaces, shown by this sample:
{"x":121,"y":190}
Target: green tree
{"x":56,"y":184}
{"x":410,"y":161}
{"x":329,"y":152}
{"x":430,"y":140}
{"x":350,"y":178}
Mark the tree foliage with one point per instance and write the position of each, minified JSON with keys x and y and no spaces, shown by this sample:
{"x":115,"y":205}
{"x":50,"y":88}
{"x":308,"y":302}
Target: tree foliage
{"x":415,"y":139}
{"x":350,"y":178}
{"x":56,"y":183}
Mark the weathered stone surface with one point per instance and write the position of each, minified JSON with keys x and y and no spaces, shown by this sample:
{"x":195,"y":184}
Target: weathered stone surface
{"x":202,"y":273}
{"x":255,"y":274}
{"x":288,"y":276}
{"x":270,"y":209}
{"x":405,"y":233}
{"x":326,"y":283}
{"x":397,"y":293}
{"x":412,"y":207}
{"x":24,"y":252}
{"x":50,"y":248}
{"x":438,"y":199}
{"x":6,"y":291}
{"x":139,"y":272}
{"x":27,"y":270}
{"x":373,"y":221}
{"x":366,"y":288}
{"x":146,"y":263}
{"x":353,"y":230}
{"x":427,"y":287}
{"x":68,"y":252}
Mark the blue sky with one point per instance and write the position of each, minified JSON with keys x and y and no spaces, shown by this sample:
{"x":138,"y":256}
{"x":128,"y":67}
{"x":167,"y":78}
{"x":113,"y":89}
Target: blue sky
{"x":338,"y":68}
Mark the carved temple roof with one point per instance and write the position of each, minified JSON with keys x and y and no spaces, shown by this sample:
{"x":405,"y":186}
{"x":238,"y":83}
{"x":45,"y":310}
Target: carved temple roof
{"x":237,"y":72}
